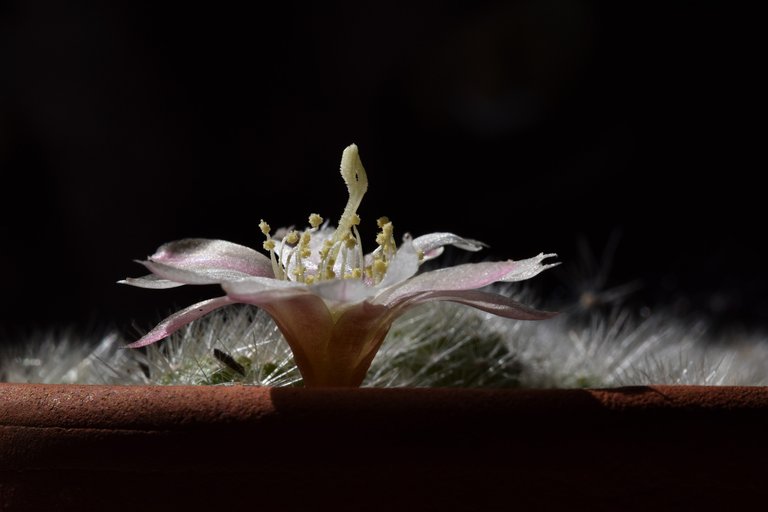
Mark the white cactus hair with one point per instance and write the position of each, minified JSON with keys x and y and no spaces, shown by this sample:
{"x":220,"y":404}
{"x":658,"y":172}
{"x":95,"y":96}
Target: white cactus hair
{"x":241,"y":333}
{"x":67,"y":358}
{"x":436,"y":344}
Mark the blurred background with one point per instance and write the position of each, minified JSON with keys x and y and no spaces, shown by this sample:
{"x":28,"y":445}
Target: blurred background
{"x":621,"y":129}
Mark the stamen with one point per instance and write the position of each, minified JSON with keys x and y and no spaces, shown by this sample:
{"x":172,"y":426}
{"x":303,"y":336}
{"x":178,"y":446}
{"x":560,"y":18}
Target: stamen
{"x":344,"y":252}
{"x":269,"y":245}
{"x":304,"y":249}
{"x":385,"y":238}
{"x":315,"y":220}
{"x":359,"y":256}
{"x":379,"y":269}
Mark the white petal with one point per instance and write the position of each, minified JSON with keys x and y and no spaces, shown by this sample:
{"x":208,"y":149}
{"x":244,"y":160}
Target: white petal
{"x":432,"y":244}
{"x":195,"y":276}
{"x":197,"y":254}
{"x":343,"y":290}
{"x":150,"y":281}
{"x":257,"y":285}
{"x":494,"y":303}
{"x":468,"y":276}
{"x":179,"y":319}
{"x":404,"y":265}
{"x":528,"y":268}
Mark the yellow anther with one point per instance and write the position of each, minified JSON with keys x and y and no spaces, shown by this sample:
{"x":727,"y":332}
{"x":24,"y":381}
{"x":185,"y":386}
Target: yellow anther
{"x":292,"y":237}
{"x":356,"y":273}
{"x":355,"y":220}
{"x":309,"y":279}
{"x":420,"y":254}
{"x":264,"y":227}
{"x":269,"y":245}
{"x":381,"y":221}
{"x":329,"y":273}
{"x":350,"y":242}
{"x":304,"y":249}
{"x":379,"y":267}
{"x":315,"y":220}
{"x":325,"y":249}
{"x":384,"y":238}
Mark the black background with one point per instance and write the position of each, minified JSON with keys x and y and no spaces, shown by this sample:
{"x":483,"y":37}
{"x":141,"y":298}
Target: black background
{"x":532,"y":125}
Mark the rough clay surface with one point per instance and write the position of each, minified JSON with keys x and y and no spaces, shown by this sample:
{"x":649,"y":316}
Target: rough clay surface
{"x":69,"y":447}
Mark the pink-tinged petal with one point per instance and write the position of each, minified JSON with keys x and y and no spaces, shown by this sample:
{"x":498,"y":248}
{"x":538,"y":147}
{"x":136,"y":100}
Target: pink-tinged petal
{"x":468,"y":276}
{"x":432,"y":244}
{"x":403,"y":266}
{"x":198,"y":254}
{"x":494,"y":303}
{"x":257,"y":285}
{"x":211,"y":275}
{"x":179,"y":319}
{"x":150,"y":281}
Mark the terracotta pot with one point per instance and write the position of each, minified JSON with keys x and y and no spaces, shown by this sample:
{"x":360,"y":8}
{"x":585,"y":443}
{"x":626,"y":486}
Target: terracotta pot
{"x":69,"y":447}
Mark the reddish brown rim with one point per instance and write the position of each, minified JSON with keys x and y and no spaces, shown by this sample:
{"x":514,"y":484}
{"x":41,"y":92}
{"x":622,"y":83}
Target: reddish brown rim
{"x":68,"y":447}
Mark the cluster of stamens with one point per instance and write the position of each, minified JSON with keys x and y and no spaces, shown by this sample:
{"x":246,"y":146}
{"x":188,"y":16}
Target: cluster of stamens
{"x":340,"y":254}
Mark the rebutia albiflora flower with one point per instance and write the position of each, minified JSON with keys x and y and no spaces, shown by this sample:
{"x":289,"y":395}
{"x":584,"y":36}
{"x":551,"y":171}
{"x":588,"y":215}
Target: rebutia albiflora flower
{"x":333,"y":303}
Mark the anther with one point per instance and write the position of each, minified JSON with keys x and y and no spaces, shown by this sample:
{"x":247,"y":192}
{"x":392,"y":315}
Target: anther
{"x":315,"y":220}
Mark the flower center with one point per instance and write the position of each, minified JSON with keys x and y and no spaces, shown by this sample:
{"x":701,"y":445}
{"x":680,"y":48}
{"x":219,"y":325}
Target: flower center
{"x":317,"y":254}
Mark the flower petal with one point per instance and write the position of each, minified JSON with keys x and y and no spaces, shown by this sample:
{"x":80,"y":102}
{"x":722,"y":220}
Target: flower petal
{"x":150,"y":281}
{"x":494,"y":303}
{"x":432,"y":244}
{"x":343,"y":290}
{"x":466,"y":277}
{"x":200,"y":254}
{"x":404,"y":265}
{"x":195,"y":276}
{"x":257,"y":285}
{"x":179,"y":319}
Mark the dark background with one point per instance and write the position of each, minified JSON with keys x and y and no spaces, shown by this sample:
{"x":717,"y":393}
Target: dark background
{"x":531,"y":125}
